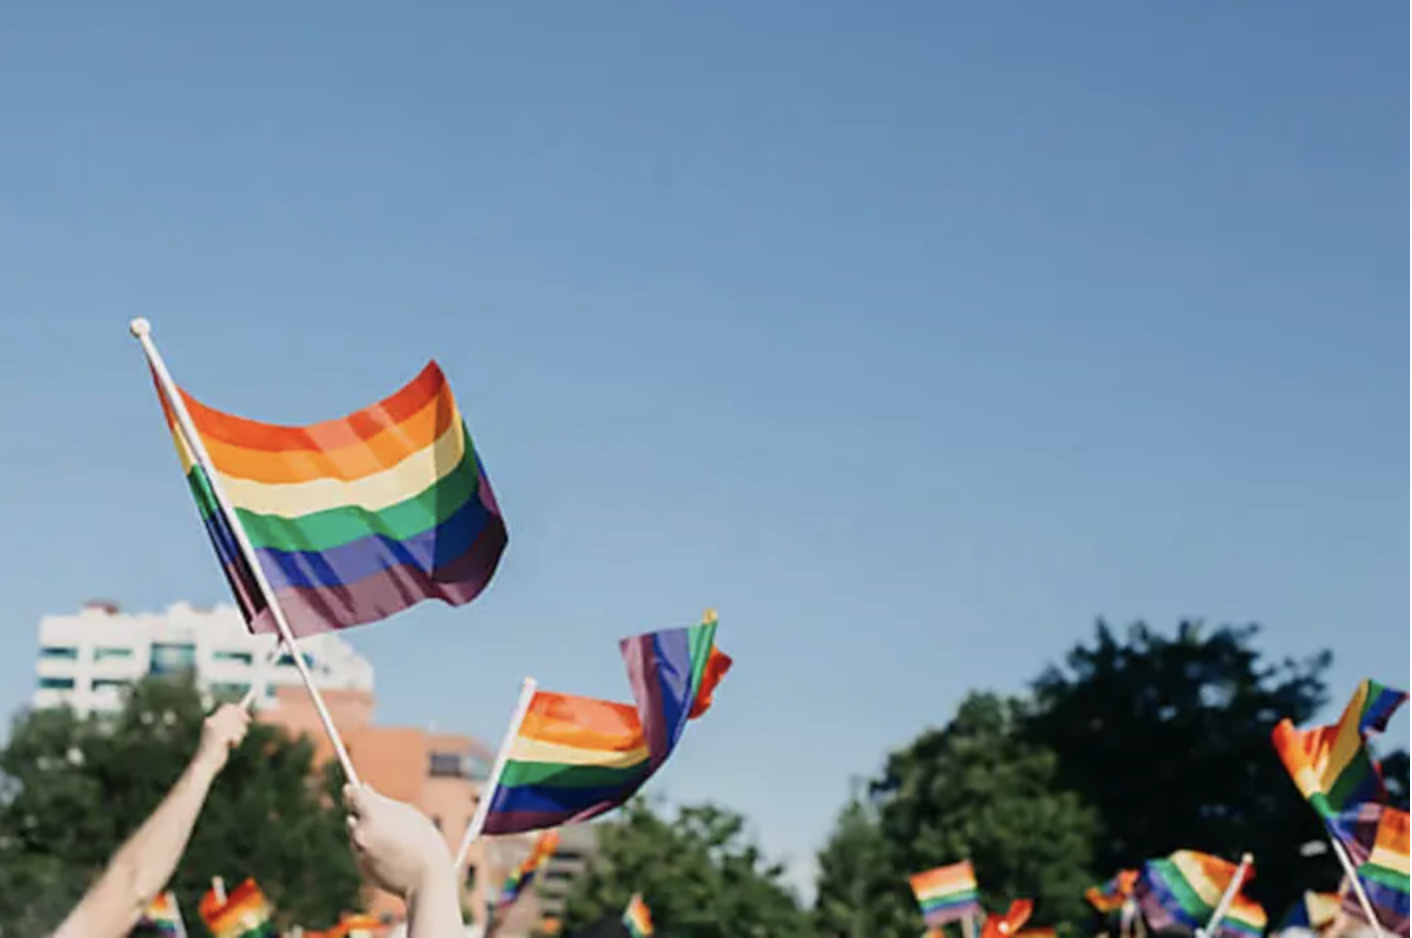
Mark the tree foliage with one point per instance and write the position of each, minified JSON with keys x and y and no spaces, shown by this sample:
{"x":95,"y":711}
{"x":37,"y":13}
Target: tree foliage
{"x":698,"y":872}
{"x":1170,"y":738}
{"x":976,"y":789}
{"x":74,"y":789}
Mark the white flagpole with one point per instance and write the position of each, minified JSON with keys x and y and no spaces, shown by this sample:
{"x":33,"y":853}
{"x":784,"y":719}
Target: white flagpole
{"x":218,"y":886}
{"x":487,"y":795}
{"x":1237,"y":880}
{"x":142,"y":331}
{"x":1353,"y":881}
{"x":176,"y":907}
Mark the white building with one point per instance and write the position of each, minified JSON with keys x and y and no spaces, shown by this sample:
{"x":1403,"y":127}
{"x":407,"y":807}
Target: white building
{"x":86,"y":660}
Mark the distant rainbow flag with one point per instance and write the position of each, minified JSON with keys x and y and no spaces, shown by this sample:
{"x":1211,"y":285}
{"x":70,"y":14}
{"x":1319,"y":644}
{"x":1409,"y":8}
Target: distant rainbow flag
{"x":351,"y":520}
{"x":1006,"y":924}
{"x":947,"y":893}
{"x":1378,"y":841}
{"x":1181,"y":892}
{"x":164,"y":916}
{"x":524,"y":874}
{"x":1111,"y":895}
{"x":637,"y":919}
{"x":245,"y":913}
{"x":1330,"y":765}
{"x":574,"y":758}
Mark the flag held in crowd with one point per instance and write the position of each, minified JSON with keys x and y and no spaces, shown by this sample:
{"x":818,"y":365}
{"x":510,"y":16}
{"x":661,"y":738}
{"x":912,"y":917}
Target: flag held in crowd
{"x":947,"y":893}
{"x":1331,"y":765}
{"x":244,"y":913}
{"x":163,"y":915}
{"x":1181,"y":892}
{"x":1008,"y":923}
{"x":523,"y":875}
{"x":1312,"y":912}
{"x":1111,"y":895}
{"x":568,"y":758}
{"x":1377,"y":840}
{"x":350,"y":520}
{"x":637,"y":918}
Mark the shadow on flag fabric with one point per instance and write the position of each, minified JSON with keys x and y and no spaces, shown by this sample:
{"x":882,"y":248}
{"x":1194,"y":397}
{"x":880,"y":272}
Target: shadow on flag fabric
{"x":574,"y":758}
{"x":351,"y":520}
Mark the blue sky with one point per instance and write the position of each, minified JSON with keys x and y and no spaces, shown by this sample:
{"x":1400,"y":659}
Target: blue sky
{"x":911,"y":336}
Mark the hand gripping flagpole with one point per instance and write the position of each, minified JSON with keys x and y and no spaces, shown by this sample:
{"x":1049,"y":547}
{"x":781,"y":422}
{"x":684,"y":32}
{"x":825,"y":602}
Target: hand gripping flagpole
{"x":142,"y":331}
{"x":487,"y":794}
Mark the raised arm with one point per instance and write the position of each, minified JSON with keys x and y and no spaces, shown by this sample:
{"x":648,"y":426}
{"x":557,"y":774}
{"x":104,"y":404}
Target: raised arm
{"x":142,"y":865}
{"x":399,"y":849}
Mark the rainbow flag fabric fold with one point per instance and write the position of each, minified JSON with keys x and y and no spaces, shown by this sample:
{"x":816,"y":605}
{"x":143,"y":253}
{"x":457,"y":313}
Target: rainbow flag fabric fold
{"x":163,"y":915}
{"x":351,"y":520}
{"x":1312,"y":912}
{"x":524,"y":874}
{"x":947,"y":893}
{"x":1181,"y":892}
{"x":1008,"y":923}
{"x":1111,"y":895}
{"x":1245,"y":918}
{"x":637,"y":918}
{"x":246,"y":913}
{"x":1331,"y":765}
{"x":574,"y":758}
{"x":1378,"y":841}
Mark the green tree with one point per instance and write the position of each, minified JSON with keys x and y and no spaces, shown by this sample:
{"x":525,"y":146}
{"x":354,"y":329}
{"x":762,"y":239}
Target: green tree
{"x":74,"y":789}
{"x":698,"y":872}
{"x":1170,"y":737}
{"x":855,"y":876}
{"x":977,"y":790}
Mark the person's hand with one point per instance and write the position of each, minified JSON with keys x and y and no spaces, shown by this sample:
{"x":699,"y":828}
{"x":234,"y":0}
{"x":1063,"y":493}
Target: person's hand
{"x":222,"y":732}
{"x":396,"y":845}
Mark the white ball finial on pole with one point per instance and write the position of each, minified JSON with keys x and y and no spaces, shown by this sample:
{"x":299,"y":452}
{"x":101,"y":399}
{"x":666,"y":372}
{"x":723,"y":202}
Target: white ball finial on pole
{"x":139,"y":327}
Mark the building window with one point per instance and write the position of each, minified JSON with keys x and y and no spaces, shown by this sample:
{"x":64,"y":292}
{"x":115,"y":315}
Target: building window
{"x":56,"y":683}
{"x":106,"y":654}
{"x":447,"y":765}
{"x":287,"y":660}
{"x":229,"y":689}
{"x":58,"y":653}
{"x":173,"y":658}
{"x":238,"y":657}
{"x":101,"y":683}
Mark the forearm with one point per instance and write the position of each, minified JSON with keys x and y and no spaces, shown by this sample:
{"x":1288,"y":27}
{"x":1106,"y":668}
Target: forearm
{"x":434,"y":908}
{"x":144,"y":864}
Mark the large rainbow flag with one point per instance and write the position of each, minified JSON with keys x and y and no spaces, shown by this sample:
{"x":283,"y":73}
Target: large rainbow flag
{"x":351,"y":520}
{"x":163,"y":916}
{"x":637,"y":919}
{"x":947,"y":893}
{"x":1378,"y":842}
{"x":1330,"y":764}
{"x":1111,"y":895}
{"x":245,"y":913}
{"x":1181,"y":892}
{"x":574,"y":758}
{"x":523,"y":875}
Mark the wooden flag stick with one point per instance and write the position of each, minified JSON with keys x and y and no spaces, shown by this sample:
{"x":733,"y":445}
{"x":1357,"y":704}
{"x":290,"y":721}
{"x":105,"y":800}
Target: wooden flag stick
{"x":142,"y":331}
{"x":473,"y":829}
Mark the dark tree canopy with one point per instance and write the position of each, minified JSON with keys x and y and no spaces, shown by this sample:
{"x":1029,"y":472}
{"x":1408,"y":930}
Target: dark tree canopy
{"x":698,"y":873}
{"x":75,"y":789}
{"x":976,"y":790}
{"x":1170,"y":738}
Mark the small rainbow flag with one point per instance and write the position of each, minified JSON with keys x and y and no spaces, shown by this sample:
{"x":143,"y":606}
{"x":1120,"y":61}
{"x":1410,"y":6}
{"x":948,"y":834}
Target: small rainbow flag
{"x":351,"y":520}
{"x":1378,"y":841}
{"x":574,"y":758}
{"x":1330,"y":765}
{"x":1181,"y":892}
{"x":245,"y":913}
{"x":637,"y":919}
{"x":947,"y":893}
{"x":523,"y":875}
{"x":163,"y":916}
{"x":1111,"y":895}
{"x":1312,"y":912}
{"x":1008,"y":924}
